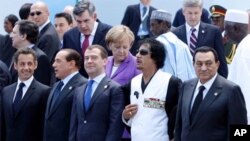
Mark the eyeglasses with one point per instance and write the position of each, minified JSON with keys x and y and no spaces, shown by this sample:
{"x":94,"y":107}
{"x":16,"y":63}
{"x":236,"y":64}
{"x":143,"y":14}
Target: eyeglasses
{"x":143,"y":52}
{"x":35,"y":13}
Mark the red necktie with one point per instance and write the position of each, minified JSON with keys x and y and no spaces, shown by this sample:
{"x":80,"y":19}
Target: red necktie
{"x":85,"y":44}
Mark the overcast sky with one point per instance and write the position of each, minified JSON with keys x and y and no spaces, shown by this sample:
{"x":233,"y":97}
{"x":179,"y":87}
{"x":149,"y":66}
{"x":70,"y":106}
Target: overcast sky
{"x":111,"y":11}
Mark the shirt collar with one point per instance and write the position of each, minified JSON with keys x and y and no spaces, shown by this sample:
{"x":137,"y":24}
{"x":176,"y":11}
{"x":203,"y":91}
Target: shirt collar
{"x":92,"y":34}
{"x":99,"y":78}
{"x":42,"y":26}
{"x":208,"y":84}
{"x":66,"y":79}
{"x":26,"y":82}
{"x":188,"y":27}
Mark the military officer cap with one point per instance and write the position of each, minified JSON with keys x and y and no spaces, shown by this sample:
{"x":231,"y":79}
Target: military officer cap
{"x":217,"y":11}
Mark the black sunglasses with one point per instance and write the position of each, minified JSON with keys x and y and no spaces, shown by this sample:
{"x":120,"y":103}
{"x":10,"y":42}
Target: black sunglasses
{"x":143,"y":51}
{"x":35,"y":13}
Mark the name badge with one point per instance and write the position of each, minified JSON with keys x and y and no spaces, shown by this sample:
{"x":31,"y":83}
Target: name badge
{"x":154,"y":103}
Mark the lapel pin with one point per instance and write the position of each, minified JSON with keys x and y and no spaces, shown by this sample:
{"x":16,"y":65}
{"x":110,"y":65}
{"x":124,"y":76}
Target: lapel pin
{"x":202,"y":31}
{"x":70,"y":87}
{"x":215,"y":94}
{"x":106,"y":86}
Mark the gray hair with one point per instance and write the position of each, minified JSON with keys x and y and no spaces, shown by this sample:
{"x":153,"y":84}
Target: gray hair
{"x":82,"y":6}
{"x":192,"y":3}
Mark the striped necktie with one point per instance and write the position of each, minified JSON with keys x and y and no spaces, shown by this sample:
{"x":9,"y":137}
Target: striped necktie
{"x":193,"y":41}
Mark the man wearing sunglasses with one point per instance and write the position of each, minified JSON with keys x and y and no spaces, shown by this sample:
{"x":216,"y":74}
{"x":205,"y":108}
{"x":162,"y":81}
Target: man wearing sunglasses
{"x":152,"y":96}
{"x":48,"y":40}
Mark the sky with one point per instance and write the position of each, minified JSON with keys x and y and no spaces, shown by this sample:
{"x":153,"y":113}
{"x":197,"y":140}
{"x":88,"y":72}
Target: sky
{"x":111,"y":11}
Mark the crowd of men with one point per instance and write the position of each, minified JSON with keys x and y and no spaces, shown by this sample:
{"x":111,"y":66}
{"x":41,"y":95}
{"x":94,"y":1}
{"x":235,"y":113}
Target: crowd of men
{"x":146,"y":79}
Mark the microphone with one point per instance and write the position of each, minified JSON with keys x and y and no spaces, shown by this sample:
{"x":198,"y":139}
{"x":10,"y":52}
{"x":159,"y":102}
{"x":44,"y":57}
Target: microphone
{"x":136,"y":94}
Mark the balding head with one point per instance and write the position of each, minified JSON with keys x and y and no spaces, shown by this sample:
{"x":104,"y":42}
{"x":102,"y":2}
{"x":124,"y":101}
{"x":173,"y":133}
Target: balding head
{"x":39,"y":13}
{"x":69,"y":9}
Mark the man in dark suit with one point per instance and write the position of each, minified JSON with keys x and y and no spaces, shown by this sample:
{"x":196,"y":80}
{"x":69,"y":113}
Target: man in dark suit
{"x":25,"y":34}
{"x":89,"y":30}
{"x":97,"y":105}
{"x":48,"y":39}
{"x":57,"y":117}
{"x":205,"y":34}
{"x":24,"y":102}
{"x":138,"y":21}
{"x":208,"y":104}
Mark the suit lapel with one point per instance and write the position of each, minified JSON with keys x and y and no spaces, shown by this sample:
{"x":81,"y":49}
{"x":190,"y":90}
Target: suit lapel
{"x":99,"y":34}
{"x":78,"y":40}
{"x":26,"y":97}
{"x":201,"y":34}
{"x":50,"y":100}
{"x":188,"y":96}
{"x":10,"y":98}
{"x":109,"y":66}
{"x":44,"y":29}
{"x":65,"y":91}
{"x":137,"y":11}
{"x":183,"y":34}
{"x":99,"y":90}
{"x":121,"y":67}
{"x":212,"y":94}
{"x":80,"y":99}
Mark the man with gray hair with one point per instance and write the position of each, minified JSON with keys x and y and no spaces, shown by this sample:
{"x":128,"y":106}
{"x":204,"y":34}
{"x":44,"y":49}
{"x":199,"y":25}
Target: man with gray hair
{"x":89,"y":30}
{"x":178,"y":60}
{"x":236,"y":24}
{"x":195,"y":33}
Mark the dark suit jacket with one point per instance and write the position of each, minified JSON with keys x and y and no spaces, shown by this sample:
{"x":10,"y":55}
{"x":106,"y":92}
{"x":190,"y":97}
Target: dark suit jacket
{"x":179,"y":18}
{"x":43,"y":72}
{"x":132,"y":19}
{"x":57,"y":118}
{"x":210,"y":36}
{"x":103,"y":121}
{"x":27,"y":123}
{"x":49,"y":41}
{"x":71,"y":39}
{"x":222,"y":106}
{"x":5,"y":77}
{"x":6,"y":49}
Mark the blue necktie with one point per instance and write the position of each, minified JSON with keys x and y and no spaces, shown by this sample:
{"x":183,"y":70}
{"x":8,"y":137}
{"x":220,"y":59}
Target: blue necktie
{"x":144,"y":22}
{"x":18,"y":98}
{"x":56,"y":93}
{"x":87,"y":96}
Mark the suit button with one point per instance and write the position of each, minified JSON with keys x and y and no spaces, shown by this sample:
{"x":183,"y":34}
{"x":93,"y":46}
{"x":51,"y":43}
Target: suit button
{"x":85,"y":121}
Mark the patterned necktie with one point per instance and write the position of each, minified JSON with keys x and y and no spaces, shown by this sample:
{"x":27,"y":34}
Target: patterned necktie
{"x":88,"y":93}
{"x":18,"y":98}
{"x":193,"y":41}
{"x":56,"y":94}
{"x":197,"y":102}
{"x":144,"y":22}
{"x":85,"y":44}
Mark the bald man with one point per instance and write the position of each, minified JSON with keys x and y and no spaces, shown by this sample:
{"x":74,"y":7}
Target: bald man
{"x":48,"y":40}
